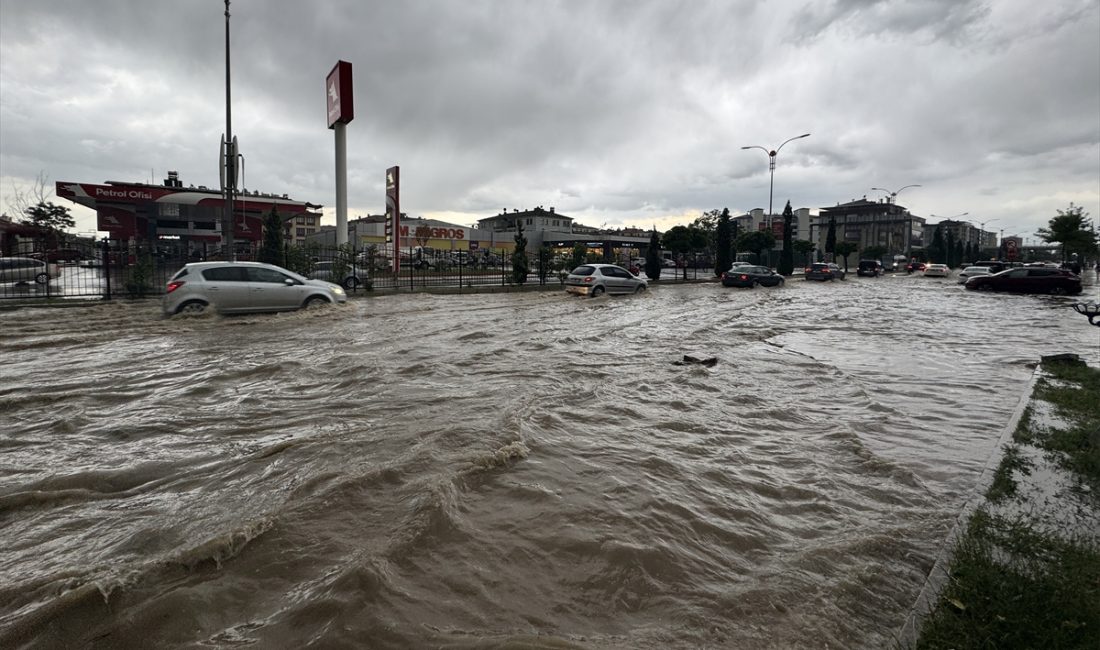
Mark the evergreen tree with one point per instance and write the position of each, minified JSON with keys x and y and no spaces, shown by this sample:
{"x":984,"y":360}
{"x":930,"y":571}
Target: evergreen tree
{"x":653,"y":257}
{"x":830,"y":237}
{"x":520,"y":267}
{"x":949,"y":249}
{"x":935,"y":249}
{"x":580,"y":251}
{"x":271,"y":250}
{"x":722,"y":240}
{"x":786,"y":257}
{"x":804,"y":247}
{"x":959,"y":253}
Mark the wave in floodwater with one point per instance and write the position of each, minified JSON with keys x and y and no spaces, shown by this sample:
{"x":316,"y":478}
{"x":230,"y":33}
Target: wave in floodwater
{"x":513,"y":470}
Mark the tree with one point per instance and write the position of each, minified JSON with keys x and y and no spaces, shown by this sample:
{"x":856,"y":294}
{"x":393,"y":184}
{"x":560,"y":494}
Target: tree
{"x":708,"y":225}
{"x":949,"y":249}
{"x":519,"y":256}
{"x":756,"y":242}
{"x":804,"y":247}
{"x":683,"y":240}
{"x":959,"y":254}
{"x":22,"y":199}
{"x":786,"y":256}
{"x":653,"y":256}
{"x":874,"y":252}
{"x":580,"y":251}
{"x":935,"y":249}
{"x":50,"y":220}
{"x":271,"y":251}
{"x":830,"y":237}
{"x":544,"y":263}
{"x":723,"y":253}
{"x":844,"y":249}
{"x":1072,"y":229}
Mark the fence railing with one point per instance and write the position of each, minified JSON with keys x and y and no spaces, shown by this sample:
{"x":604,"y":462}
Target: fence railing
{"x":109,"y":270}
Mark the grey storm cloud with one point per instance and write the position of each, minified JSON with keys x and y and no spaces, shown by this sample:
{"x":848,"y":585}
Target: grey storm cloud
{"x":616,"y":112}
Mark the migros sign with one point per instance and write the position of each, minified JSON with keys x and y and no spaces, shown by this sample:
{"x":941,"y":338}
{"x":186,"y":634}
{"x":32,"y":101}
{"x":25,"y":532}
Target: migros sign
{"x":429,"y":232}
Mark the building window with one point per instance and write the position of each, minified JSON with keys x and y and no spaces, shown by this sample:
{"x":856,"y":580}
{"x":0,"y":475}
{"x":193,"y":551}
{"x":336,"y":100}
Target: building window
{"x":529,"y":220}
{"x":301,"y":232}
{"x":309,"y":221}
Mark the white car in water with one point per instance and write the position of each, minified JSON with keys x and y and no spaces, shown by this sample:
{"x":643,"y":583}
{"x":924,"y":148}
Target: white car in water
{"x":240,"y":287}
{"x":936,"y":271}
{"x":972,"y":271}
{"x":595,"y":279}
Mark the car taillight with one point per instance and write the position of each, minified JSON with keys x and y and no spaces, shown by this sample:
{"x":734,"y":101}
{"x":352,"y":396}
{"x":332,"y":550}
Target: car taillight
{"x":590,"y":279}
{"x":725,"y":275}
{"x":744,"y":277}
{"x":172,"y":286}
{"x":808,"y":269}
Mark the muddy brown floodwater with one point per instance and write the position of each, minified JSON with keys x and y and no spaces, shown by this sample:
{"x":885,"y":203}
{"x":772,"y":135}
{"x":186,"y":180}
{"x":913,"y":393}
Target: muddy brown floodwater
{"x":470,"y":470}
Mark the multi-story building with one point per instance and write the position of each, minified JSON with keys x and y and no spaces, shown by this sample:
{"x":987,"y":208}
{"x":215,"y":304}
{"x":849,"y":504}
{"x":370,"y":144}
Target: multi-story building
{"x":870,"y":223}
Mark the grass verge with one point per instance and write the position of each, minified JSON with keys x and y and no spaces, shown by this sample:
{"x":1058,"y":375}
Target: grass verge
{"x":1015,"y":580}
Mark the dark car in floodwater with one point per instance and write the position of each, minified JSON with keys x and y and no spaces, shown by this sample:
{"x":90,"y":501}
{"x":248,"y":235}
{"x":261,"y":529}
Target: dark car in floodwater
{"x":750,"y":276}
{"x":1028,"y":280}
{"x":871,"y":268}
{"x":822,"y":271}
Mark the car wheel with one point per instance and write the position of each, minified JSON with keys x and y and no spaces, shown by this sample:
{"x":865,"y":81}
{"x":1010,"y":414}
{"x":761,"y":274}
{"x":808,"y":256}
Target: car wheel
{"x":351,"y":283}
{"x":42,"y":278}
{"x":191,"y":307}
{"x":314,"y":302}
{"x":597,"y":291}
{"x":1058,"y":291}
{"x":641,"y":288}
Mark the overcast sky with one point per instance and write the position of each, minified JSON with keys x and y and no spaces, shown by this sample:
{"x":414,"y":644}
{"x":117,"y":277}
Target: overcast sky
{"x":617,"y":113}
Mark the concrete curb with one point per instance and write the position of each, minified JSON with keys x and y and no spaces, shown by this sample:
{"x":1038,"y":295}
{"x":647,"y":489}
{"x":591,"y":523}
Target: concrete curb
{"x":936,"y":580}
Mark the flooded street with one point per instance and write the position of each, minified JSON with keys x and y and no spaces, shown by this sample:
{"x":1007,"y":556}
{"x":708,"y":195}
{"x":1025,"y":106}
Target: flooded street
{"x":458,"y":471}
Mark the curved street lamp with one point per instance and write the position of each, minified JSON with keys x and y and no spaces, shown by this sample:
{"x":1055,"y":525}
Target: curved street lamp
{"x":772,"y":153}
{"x":892,"y":196}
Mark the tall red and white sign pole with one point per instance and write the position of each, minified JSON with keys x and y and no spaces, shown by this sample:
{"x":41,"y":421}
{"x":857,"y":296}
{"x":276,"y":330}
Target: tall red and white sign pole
{"x":393,"y":216}
{"x":341,"y":110}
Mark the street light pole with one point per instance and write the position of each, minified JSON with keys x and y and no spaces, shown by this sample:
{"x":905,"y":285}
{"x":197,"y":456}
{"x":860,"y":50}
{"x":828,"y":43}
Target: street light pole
{"x":771,"y":184}
{"x":230,"y":160}
{"x":891,"y":199}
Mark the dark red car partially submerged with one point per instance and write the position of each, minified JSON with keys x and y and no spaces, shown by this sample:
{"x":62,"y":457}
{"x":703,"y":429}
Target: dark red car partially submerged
{"x":1028,"y":280}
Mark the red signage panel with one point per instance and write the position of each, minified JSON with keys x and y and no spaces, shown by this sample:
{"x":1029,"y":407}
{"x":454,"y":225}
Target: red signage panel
{"x":341,"y":108}
{"x":120,"y":222}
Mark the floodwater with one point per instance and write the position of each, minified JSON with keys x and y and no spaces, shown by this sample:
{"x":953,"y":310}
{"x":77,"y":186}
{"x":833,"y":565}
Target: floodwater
{"x":503,"y":470}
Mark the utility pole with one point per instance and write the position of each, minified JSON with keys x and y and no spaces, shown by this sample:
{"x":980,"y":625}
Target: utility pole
{"x":229,"y":163}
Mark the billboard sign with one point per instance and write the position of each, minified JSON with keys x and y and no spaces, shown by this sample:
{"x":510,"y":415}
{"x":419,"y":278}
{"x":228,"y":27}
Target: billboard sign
{"x":393,"y":211}
{"x":341,"y":108}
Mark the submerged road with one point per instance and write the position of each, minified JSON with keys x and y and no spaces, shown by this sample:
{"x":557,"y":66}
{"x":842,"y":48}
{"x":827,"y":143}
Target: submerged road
{"x":420,"y":470}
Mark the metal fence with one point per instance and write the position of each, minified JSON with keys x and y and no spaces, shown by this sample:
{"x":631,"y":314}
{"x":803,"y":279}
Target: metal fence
{"x":107,"y":270}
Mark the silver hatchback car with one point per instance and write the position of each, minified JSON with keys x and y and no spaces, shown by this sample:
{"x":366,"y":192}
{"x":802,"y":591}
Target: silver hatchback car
{"x":595,"y":279}
{"x":239,"y":287}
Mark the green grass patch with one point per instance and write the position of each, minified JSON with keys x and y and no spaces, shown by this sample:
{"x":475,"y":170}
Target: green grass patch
{"x":1011,"y":587}
{"x":1075,"y":396}
{"x":1013,"y":582}
{"x":1004,"y":484}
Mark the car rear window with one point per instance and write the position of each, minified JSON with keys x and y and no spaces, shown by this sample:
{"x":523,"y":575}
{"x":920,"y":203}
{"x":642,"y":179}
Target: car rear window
{"x":584,"y":270}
